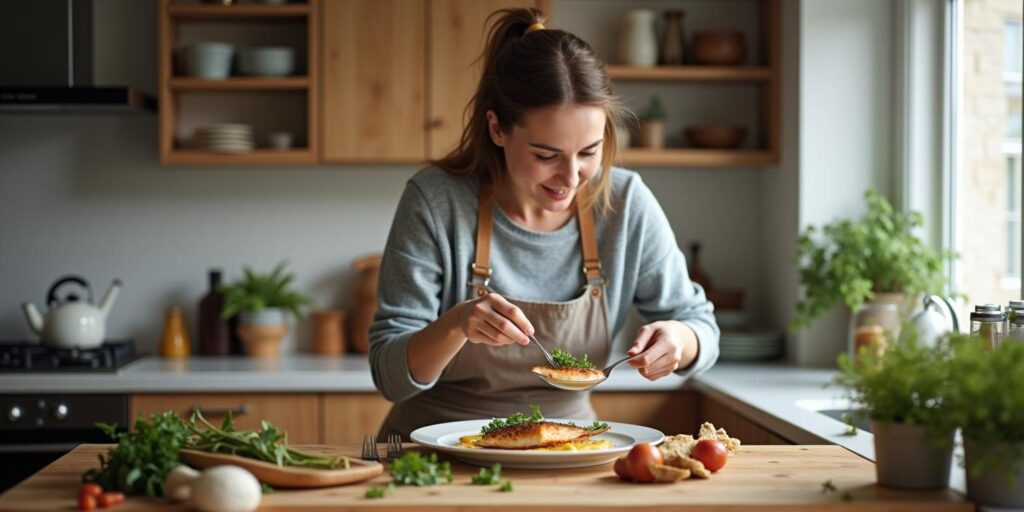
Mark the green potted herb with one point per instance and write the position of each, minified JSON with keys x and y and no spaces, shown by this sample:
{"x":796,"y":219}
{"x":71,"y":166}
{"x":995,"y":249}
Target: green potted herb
{"x":261,"y":302}
{"x":871,"y":265}
{"x":652,"y":125}
{"x":903,"y":394}
{"x":988,"y":403}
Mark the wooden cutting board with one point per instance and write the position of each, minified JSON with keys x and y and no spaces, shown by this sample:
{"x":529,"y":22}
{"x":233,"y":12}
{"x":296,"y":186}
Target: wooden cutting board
{"x":290,"y":477}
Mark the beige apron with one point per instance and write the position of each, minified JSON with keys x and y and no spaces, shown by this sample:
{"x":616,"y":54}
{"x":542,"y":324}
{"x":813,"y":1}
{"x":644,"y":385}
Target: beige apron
{"x":483,"y":381}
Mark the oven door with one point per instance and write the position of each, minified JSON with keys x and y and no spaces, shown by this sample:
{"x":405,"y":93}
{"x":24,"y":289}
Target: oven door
{"x":39,"y":429}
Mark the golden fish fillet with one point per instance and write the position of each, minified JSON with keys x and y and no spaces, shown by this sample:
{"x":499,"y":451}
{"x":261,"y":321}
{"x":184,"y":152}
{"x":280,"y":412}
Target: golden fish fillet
{"x":569,"y":374}
{"x":525,"y":436}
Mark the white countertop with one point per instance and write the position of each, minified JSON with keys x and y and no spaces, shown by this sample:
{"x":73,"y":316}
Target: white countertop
{"x":782,"y":398}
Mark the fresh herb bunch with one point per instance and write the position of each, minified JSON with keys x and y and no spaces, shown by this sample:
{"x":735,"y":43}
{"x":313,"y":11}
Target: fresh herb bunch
{"x":268,"y":444}
{"x":255,"y":292}
{"x":909,"y":384}
{"x":414,"y":468}
{"x":514,"y":419}
{"x":566,"y":360}
{"x":491,"y":476}
{"x":378,"y":491}
{"x":849,"y":261}
{"x":506,"y":487}
{"x":988,"y":399}
{"x":140,"y":461}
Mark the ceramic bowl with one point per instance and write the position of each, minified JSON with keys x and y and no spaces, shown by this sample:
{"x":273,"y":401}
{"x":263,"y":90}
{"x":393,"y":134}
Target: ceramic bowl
{"x":717,"y":136}
{"x":209,"y":60}
{"x":718,"y":48}
{"x":267,"y":61}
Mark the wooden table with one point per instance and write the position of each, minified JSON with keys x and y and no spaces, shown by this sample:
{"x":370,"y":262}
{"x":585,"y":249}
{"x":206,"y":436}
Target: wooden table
{"x":756,"y":478}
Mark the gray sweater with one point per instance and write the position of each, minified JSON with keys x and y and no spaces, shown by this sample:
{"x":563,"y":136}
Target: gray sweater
{"x":426,"y":268}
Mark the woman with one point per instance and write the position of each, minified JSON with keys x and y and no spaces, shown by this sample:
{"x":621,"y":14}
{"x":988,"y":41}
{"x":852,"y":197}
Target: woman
{"x":526,"y":229}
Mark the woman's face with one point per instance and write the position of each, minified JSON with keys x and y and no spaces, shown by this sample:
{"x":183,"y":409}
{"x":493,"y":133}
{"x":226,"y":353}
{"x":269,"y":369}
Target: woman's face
{"x":551,"y":154}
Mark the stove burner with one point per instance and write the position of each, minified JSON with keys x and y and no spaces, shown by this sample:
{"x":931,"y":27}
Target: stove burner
{"x":36,"y":357}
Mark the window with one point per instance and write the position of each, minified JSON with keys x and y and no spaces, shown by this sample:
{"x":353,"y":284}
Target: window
{"x":987,"y":173}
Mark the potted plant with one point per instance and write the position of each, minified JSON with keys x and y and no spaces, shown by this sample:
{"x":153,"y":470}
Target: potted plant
{"x":988,"y":404}
{"x":652,"y":125}
{"x":260,"y":301}
{"x":903,"y":395}
{"x":877,"y":260}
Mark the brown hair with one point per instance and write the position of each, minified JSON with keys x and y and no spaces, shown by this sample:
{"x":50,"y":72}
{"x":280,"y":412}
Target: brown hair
{"x":525,"y":71}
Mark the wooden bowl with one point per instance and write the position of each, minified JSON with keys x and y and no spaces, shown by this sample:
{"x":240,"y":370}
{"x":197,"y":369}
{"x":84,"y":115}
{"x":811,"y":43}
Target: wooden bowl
{"x":718,"y":48}
{"x":717,"y":136}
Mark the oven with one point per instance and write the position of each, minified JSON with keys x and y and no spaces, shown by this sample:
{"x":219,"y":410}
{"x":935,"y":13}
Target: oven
{"x":37,"y":429}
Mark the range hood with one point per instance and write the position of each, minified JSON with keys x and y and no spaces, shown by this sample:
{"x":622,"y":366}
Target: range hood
{"x":73,"y":56}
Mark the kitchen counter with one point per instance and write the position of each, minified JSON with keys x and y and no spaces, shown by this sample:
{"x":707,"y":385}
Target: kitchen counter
{"x":784,"y":477}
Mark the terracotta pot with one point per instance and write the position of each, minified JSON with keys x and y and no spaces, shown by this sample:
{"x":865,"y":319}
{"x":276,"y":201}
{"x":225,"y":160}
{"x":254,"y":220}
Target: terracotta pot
{"x":718,"y":48}
{"x":366,"y":301}
{"x":652,"y":134}
{"x":262,"y":340}
{"x":719,"y":136}
{"x":329,"y":332}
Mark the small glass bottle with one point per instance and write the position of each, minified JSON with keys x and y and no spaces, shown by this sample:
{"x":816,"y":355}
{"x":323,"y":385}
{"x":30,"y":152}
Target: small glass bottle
{"x":1015,"y":320}
{"x":214,"y":338}
{"x":988,"y":321}
{"x":671,"y":53}
{"x":873,"y":325}
{"x":174,"y":342}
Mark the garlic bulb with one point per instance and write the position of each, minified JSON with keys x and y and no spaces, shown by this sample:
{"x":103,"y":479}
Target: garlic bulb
{"x":226,"y":489}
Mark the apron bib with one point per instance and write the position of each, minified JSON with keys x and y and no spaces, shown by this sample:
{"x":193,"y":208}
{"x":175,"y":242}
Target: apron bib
{"x":483,"y":381}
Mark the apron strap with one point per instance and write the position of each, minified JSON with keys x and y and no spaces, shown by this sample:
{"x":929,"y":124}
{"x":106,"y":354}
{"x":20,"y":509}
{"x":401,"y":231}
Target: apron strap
{"x":480,"y":270}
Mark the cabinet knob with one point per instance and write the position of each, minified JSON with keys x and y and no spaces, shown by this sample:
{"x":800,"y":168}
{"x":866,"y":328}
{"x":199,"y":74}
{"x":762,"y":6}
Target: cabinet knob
{"x":14,"y":414}
{"x":60,"y":412}
{"x":435,"y":123}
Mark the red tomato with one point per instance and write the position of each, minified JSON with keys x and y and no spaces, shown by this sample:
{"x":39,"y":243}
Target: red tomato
{"x":86,"y":502}
{"x":711,"y":453}
{"x":622,"y":468}
{"x":639,"y":459}
{"x":109,"y":499}
{"x":90,"y":490}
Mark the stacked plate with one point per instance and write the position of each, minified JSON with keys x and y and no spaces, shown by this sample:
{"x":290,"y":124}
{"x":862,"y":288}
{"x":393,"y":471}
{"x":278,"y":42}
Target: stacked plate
{"x":750,"y":345}
{"x":224,"y":138}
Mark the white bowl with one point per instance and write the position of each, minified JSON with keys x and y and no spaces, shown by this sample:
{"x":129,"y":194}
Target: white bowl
{"x":267,"y":61}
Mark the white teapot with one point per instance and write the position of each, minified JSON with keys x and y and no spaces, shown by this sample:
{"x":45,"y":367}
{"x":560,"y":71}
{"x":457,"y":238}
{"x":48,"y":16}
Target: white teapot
{"x":936,"y":319}
{"x":71,"y":323}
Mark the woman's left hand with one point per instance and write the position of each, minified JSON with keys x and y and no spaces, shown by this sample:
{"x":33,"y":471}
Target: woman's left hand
{"x":666,"y":345}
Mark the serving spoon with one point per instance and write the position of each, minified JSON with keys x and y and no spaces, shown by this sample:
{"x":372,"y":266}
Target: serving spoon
{"x":573,"y":385}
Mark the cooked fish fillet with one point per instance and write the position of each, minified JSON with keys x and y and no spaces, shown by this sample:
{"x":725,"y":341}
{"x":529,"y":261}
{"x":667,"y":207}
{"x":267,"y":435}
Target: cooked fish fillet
{"x":535,"y":435}
{"x":569,"y":374}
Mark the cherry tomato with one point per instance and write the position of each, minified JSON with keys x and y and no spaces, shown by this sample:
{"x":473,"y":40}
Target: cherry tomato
{"x":622,"y":468}
{"x":711,"y":453}
{"x":639,"y":460}
{"x":90,"y":490}
{"x":109,"y":499}
{"x":86,"y":502}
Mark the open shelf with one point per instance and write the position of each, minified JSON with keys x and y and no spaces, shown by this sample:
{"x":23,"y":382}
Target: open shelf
{"x":680,"y":157}
{"x":254,"y":157}
{"x":239,"y":84}
{"x":194,"y":12}
{"x":691,"y":73}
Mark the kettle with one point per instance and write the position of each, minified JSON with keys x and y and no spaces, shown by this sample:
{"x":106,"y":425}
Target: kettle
{"x":71,"y":323}
{"x":936,"y":319}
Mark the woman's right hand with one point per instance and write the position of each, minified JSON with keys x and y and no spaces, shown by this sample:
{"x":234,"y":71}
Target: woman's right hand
{"x":493,"y":320}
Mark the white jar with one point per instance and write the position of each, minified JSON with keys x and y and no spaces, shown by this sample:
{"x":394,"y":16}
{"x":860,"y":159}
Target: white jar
{"x":638,"y":41}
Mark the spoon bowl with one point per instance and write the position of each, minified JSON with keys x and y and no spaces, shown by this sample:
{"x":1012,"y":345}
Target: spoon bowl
{"x":583,"y":385}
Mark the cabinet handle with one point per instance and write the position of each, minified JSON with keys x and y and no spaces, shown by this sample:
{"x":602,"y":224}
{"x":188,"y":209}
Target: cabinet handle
{"x":435,"y":123}
{"x":222,"y":411}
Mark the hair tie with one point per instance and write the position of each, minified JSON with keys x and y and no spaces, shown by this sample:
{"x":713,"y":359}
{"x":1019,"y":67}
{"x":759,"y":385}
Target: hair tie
{"x":534,"y":27}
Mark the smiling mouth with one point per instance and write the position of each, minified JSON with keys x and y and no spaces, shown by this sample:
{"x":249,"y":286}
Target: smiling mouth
{"x":557,"y":193}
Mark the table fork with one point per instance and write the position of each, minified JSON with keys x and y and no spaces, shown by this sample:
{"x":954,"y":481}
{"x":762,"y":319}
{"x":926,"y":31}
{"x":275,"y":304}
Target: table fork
{"x":370,"y":452}
{"x":394,"y":446}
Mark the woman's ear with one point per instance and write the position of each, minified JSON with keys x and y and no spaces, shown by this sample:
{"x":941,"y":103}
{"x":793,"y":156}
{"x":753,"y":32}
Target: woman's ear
{"x":494,"y":129}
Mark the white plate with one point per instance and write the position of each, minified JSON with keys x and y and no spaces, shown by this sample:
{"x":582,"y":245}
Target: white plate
{"x":444,"y":437}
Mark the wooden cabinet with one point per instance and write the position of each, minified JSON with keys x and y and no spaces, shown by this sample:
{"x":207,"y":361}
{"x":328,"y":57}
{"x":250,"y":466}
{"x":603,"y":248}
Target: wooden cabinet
{"x":736,"y":424}
{"x":398,"y":74}
{"x":297,"y":414}
{"x":672,"y":412}
{"x":350,"y":416}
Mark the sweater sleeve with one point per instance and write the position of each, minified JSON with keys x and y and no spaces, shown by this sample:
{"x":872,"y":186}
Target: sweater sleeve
{"x":408,"y":295}
{"x":664,"y":290}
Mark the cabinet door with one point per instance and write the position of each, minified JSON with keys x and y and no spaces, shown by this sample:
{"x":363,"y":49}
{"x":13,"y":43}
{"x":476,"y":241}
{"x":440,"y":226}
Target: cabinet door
{"x":350,"y":416}
{"x":374,"y":68}
{"x":296,"y":414}
{"x":457,"y":39}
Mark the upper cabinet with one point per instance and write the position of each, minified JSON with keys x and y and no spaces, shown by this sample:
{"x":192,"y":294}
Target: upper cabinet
{"x":398,"y":74}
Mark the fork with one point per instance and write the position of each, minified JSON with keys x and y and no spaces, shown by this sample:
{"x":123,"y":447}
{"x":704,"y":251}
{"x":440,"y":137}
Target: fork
{"x":547,"y":355}
{"x":394,"y":446}
{"x":370,"y":452}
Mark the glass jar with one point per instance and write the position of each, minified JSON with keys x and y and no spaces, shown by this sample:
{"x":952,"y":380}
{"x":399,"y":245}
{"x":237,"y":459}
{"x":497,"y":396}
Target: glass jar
{"x":989,"y":324}
{"x":875,"y":325}
{"x":1015,"y":320}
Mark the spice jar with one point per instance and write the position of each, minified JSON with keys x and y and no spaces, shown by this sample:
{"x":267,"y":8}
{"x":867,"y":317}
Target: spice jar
{"x":988,"y":321}
{"x":174,"y":342}
{"x":873,"y":325}
{"x":329,"y":332}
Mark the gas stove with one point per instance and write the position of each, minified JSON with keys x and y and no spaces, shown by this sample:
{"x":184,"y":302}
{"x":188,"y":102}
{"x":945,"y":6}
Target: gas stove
{"x":24,"y":356}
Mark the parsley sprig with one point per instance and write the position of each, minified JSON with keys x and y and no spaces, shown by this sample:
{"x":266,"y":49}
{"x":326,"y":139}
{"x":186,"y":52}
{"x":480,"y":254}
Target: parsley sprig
{"x":487,"y":476}
{"x":596,"y":426}
{"x":414,"y":468}
{"x":566,"y":360}
{"x":514,"y":419}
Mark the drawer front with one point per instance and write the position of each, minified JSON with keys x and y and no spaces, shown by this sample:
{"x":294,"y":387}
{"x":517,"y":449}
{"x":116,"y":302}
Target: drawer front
{"x":296,"y":414}
{"x":350,"y":416}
